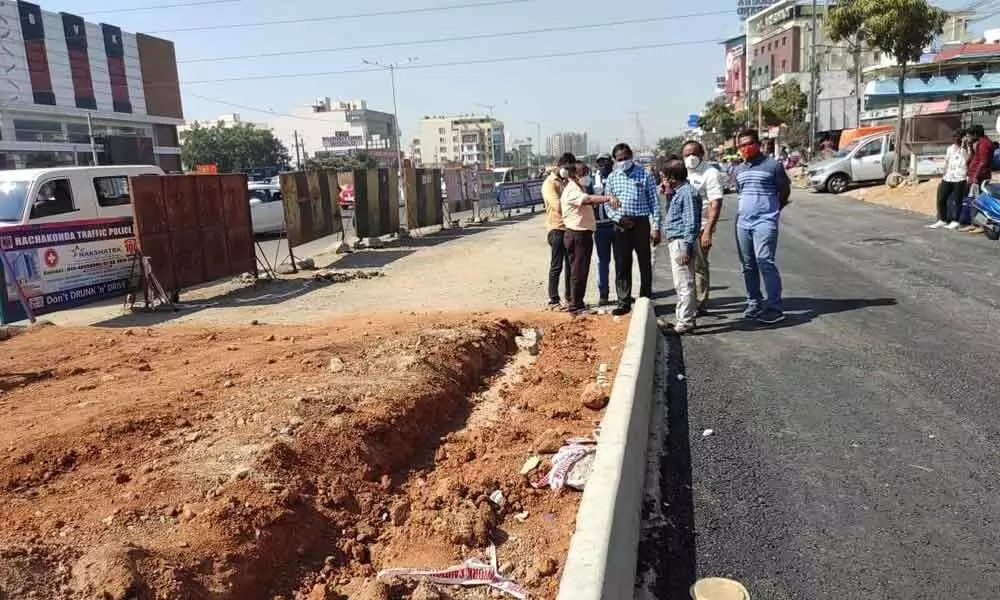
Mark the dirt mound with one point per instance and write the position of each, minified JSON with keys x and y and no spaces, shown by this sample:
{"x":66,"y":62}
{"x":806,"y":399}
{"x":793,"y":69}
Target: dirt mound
{"x":262,"y":462}
{"x":920,"y":198}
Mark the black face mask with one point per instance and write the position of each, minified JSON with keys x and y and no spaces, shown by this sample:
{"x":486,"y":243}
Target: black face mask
{"x":606,"y":170}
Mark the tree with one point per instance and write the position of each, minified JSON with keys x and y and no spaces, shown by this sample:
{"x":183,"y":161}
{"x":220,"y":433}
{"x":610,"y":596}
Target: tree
{"x":344,"y":162}
{"x":719,"y":118}
{"x":787,"y":108}
{"x":671,"y":145}
{"x":232,"y":149}
{"x":900,"y":28}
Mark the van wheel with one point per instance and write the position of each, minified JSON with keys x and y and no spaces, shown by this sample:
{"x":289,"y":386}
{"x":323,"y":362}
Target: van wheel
{"x":837,"y":183}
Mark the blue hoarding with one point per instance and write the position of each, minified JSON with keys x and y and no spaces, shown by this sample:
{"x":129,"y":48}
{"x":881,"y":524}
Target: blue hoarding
{"x":521,"y":194}
{"x":63,"y":265}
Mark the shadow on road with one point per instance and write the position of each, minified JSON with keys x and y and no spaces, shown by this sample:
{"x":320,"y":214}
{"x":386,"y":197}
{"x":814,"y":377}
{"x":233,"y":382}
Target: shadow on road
{"x":678,"y":567}
{"x":370,"y":259}
{"x":447,"y":235}
{"x":726,"y":314}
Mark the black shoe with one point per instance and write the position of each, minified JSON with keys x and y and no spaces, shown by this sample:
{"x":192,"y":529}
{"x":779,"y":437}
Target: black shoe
{"x":621,"y":309}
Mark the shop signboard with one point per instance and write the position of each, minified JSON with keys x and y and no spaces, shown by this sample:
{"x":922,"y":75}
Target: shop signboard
{"x":57,"y":266}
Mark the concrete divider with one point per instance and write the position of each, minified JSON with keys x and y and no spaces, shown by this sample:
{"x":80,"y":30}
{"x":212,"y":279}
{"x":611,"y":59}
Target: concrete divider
{"x":601,"y":563}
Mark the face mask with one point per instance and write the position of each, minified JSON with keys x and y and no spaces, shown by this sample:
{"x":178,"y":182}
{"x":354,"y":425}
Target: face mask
{"x":563,"y":173}
{"x":749,"y":152}
{"x":586,"y":180}
{"x":624,"y":165}
{"x":692,"y":162}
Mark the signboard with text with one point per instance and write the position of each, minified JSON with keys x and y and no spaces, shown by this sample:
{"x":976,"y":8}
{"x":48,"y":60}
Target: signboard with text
{"x":521,"y":194}
{"x":745,"y":8}
{"x":64,"y":265}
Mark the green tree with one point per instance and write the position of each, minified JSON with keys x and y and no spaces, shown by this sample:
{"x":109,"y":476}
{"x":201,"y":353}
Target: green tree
{"x":232,"y":149}
{"x":719,"y":118}
{"x":900,"y":28}
{"x":345,"y":162}
{"x":671,"y":145}
{"x":787,"y":104}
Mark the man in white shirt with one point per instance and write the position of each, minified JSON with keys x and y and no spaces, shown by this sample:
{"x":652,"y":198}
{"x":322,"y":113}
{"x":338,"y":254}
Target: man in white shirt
{"x":952,"y":189}
{"x":708,"y":181}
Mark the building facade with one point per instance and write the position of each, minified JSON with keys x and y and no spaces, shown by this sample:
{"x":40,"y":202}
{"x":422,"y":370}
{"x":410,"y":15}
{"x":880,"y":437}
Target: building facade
{"x":64,"y":81}
{"x":569,"y":141}
{"x":337,"y":128}
{"x":734,"y":79}
{"x":463,"y":139}
{"x":226,"y":120}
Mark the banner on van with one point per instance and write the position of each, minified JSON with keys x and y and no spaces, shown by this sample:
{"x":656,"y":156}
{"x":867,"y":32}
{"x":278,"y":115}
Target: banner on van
{"x":64,"y":265}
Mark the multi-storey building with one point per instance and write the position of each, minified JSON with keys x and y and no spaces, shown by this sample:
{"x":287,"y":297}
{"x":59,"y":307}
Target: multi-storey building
{"x":568,"y":141}
{"x":226,"y":120}
{"x":462,"y":139}
{"x":65,"y":82}
{"x":332,"y":128}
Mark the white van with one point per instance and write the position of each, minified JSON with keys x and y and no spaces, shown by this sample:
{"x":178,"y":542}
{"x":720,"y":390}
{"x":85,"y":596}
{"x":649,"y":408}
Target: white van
{"x":32,"y":196}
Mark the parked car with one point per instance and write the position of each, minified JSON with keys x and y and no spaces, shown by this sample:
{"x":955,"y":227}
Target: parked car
{"x":266,"y":208}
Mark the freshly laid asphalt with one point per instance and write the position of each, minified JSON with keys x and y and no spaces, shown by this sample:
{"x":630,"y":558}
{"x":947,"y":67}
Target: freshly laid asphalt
{"x":855,"y":451}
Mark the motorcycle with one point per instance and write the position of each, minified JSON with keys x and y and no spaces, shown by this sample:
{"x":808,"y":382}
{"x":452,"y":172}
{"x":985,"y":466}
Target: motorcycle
{"x":986,"y":210}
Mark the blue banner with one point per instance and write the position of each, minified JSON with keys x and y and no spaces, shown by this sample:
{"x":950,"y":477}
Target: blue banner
{"x":521,"y":194}
{"x":64,"y":265}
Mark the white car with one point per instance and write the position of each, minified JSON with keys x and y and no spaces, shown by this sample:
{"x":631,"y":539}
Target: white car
{"x":266,"y":209}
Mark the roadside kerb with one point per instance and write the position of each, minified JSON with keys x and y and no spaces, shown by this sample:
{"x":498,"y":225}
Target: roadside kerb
{"x":601,"y":562}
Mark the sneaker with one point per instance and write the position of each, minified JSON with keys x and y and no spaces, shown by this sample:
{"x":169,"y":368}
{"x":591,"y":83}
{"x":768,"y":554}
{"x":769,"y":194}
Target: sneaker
{"x":771,"y":317}
{"x":952,"y":226}
{"x":937,"y":225}
{"x":578,"y":312}
{"x":752,"y":312}
{"x":683,"y":328}
{"x":621,"y":309}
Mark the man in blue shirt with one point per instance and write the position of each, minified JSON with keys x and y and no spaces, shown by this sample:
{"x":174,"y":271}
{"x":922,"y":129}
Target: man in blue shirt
{"x":635,"y":189}
{"x":763,"y":189}
{"x":682,"y":229}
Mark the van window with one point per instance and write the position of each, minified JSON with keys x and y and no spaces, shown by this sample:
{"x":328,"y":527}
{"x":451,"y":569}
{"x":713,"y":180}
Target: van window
{"x":54,"y":197}
{"x":112,"y":191}
{"x":264,"y":195}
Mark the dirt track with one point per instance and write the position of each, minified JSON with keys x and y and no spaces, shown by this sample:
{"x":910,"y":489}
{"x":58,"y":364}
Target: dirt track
{"x":262,"y":462}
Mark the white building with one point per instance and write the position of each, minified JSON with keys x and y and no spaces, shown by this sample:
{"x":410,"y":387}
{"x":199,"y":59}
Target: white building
{"x":328,"y":128}
{"x":568,"y":141}
{"x":63,"y":80}
{"x":226,"y":120}
{"x":465,"y":139}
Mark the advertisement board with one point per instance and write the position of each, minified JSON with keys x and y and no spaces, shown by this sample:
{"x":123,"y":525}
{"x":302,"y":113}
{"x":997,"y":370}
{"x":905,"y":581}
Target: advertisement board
{"x":520,"y":194}
{"x":63,"y":265}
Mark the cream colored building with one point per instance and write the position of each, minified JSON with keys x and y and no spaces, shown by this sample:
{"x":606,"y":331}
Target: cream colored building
{"x":465,"y":139}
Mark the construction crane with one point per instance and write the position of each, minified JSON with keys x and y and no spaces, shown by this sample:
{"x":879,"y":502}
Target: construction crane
{"x":490,"y":107}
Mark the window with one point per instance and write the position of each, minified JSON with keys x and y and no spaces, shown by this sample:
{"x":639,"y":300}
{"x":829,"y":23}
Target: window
{"x":264,"y":195}
{"x":55,"y":197}
{"x":77,"y":133}
{"x":784,"y":64}
{"x":441,"y":140}
{"x":872,"y":148}
{"x":443,"y":149}
{"x":342,"y":133}
{"x":38,"y":131}
{"x":112,"y":191}
{"x":441,"y":130}
{"x":784,"y":41}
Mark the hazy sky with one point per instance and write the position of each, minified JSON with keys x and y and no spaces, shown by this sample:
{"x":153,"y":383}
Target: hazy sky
{"x":588,"y":78}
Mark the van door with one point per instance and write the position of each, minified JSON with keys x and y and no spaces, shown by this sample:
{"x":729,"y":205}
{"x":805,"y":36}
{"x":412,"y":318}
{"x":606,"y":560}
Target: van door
{"x":60,"y":197}
{"x":111,"y":193}
{"x":866,"y":162}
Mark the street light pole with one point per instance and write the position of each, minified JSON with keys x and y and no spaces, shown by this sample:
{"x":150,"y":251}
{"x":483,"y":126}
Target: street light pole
{"x":398,"y":134}
{"x":813,"y":75}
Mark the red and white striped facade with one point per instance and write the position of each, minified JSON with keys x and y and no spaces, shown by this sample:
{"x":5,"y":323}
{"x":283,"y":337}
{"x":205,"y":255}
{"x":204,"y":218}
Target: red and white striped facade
{"x":56,"y":66}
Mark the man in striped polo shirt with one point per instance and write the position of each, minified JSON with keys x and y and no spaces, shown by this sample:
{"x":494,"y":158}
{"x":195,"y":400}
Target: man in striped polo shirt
{"x":763,"y":189}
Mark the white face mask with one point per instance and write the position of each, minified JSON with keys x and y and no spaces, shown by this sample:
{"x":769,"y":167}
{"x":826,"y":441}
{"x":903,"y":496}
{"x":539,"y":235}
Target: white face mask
{"x":692,"y":162}
{"x":624,"y":165}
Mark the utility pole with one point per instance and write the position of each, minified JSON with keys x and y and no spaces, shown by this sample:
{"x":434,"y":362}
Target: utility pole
{"x":391,"y":67}
{"x":813,"y":75}
{"x":857,"y":77}
{"x":298,"y":157}
{"x":640,"y":130}
{"x":538,"y":141}
{"x":93,"y":145}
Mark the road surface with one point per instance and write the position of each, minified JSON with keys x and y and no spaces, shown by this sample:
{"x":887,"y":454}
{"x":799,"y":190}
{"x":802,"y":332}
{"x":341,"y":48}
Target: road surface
{"x":855,"y":452}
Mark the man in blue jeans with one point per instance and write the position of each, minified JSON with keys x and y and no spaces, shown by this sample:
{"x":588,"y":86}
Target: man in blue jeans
{"x":763,"y":189}
{"x":604,"y":237}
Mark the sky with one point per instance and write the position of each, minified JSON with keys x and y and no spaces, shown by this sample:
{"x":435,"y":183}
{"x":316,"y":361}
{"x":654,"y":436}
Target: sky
{"x":579,"y":77}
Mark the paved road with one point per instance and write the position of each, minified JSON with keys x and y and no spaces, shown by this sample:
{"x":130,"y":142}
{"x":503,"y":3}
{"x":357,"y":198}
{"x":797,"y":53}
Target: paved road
{"x":855,"y":453}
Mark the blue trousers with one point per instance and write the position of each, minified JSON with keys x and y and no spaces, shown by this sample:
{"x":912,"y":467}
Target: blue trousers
{"x":757,"y":246}
{"x":604,"y":239}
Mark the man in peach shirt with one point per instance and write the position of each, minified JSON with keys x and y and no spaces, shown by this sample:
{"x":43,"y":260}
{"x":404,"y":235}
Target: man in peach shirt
{"x":552,"y":189}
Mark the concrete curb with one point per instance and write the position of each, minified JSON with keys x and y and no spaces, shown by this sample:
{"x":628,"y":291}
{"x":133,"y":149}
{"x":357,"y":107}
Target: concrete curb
{"x":601,"y":562}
